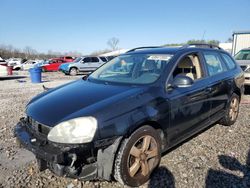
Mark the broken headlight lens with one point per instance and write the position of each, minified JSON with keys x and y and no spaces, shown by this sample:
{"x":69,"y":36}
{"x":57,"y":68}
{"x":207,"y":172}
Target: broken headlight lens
{"x":74,"y":131}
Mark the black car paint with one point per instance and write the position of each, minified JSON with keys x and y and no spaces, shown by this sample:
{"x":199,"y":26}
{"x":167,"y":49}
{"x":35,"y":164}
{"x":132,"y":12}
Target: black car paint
{"x":121,"y":109}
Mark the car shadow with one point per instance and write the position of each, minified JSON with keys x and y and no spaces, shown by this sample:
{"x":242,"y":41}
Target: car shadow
{"x":227,"y":179}
{"x":12,"y":77}
{"x":161,"y":178}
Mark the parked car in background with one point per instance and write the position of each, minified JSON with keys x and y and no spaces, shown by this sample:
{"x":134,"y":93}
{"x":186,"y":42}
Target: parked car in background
{"x":243,"y":59}
{"x":53,"y":65}
{"x":3,"y":62}
{"x":28,"y":64}
{"x":15,"y":61}
{"x":3,"y":70}
{"x":42,"y":63}
{"x":120,"y":120}
{"x":83,"y":64}
{"x":66,"y":58}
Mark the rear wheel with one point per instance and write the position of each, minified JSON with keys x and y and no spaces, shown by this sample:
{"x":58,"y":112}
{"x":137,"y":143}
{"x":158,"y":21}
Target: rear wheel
{"x":232,"y":111}
{"x":73,"y":72}
{"x":137,"y":157}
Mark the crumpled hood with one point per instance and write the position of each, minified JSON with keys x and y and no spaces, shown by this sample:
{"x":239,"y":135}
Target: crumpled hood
{"x":70,"y":100}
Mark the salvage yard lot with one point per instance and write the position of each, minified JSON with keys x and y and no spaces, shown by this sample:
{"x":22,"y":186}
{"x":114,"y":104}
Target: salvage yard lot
{"x":218,"y":157}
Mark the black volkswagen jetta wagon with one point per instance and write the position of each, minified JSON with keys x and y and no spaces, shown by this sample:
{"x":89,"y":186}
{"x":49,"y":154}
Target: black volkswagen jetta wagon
{"x":118,"y":121}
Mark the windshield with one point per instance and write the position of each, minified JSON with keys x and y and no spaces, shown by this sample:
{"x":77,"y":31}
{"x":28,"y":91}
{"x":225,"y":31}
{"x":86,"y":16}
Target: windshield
{"x":77,"y":59}
{"x":132,"y":69}
{"x":243,"y":55}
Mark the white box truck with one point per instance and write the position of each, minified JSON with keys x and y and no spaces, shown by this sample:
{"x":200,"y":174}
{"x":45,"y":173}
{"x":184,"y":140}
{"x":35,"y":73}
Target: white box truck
{"x":241,"y":39}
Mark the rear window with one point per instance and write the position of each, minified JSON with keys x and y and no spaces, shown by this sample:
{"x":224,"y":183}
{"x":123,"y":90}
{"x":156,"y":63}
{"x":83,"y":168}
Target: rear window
{"x":68,"y":58}
{"x":228,"y":60}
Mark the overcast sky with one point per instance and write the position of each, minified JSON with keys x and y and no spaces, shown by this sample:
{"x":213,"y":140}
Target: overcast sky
{"x":86,"y":25}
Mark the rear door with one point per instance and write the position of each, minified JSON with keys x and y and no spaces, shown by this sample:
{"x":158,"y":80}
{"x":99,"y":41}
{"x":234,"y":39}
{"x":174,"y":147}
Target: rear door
{"x":95,"y":63}
{"x":219,"y":83}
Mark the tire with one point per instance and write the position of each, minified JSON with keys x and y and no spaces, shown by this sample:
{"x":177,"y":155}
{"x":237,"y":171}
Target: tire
{"x":73,"y":71}
{"x":17,"y":69}
{"x":133,"y":164}
{"x":232,"y":111}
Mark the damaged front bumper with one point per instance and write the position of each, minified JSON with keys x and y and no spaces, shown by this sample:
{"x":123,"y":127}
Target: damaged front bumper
{"x":82,"y":161}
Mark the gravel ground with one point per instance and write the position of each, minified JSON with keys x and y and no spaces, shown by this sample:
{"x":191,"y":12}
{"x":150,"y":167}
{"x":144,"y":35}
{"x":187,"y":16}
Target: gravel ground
{"x":218,"y":157}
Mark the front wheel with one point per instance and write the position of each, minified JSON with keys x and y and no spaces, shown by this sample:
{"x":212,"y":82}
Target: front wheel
{"x":137,"y":157}
{"x":73,"y":72}
{"x":232,"y":111}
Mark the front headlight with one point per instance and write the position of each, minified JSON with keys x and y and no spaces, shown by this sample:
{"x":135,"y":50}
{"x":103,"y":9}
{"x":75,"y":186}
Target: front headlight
{"x":74,"y":131}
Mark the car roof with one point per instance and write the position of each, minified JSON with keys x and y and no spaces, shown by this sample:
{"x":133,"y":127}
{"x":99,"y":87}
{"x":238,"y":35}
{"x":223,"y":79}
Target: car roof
{"x":160,"y":50}
{"x":245,"y":49}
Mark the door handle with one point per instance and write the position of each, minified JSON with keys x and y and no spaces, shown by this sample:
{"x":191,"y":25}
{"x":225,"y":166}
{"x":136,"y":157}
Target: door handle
{"x":208,"y":89}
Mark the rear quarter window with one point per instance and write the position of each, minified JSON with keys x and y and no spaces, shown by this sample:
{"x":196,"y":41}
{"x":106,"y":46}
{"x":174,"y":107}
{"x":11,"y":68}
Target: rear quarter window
{"x":228,"y":60}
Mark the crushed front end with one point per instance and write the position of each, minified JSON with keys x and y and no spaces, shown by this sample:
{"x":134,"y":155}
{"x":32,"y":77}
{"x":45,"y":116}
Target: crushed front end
{"x":88,"y":161}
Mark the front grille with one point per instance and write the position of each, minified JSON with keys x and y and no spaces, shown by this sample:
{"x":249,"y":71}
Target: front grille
{"x":38,"y":127}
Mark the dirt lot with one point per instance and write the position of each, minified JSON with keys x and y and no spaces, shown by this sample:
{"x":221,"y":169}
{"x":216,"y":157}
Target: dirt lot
{"x":218,"y":157}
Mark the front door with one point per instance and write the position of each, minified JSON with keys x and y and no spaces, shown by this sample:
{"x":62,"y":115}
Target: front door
{"x":189,"y":106}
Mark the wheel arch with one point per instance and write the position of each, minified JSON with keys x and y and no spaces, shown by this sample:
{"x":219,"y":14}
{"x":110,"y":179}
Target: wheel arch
{"x":154,"y":124}
{"x":73,"y":67}
{"x":237,"y":91}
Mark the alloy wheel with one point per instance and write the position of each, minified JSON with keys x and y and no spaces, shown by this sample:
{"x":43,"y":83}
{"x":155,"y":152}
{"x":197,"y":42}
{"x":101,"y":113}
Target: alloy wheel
{"x":142,"y":157}
{"x":234,"y":108}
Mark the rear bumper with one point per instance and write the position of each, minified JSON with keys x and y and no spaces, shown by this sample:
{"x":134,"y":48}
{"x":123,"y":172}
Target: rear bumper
{"x":86,"y":162}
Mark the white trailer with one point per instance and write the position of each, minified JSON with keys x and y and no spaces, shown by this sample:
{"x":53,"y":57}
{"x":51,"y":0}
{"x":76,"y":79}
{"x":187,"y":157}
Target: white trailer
{"x":241,"y":39}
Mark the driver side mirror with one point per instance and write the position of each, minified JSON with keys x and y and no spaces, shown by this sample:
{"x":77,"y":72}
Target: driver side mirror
{"x":182,"y":81}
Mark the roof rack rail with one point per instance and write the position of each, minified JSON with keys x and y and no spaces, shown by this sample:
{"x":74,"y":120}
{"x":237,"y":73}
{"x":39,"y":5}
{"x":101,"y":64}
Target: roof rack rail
{"x":143,"y":47}
{"x":202,"y":45}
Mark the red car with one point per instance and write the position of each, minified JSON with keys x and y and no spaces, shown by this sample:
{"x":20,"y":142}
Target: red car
{"x":53,"y":65}
{"x":66,"y":58}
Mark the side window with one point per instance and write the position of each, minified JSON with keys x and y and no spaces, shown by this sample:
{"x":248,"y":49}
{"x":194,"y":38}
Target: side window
{"x":103,"y":59}
{"x":213,"y":62}
{"x":87,"y":60}
{"x":94,"y":59}
{"x":189,"y":66}
{"x":228,"y":60}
